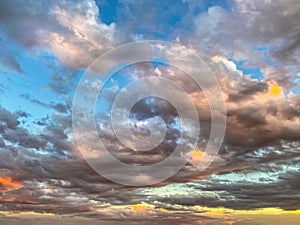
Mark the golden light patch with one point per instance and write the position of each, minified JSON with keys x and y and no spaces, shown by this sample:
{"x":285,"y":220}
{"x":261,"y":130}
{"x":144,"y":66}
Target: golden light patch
{"x":219,"y":211}
{"x":197,"y":154}
{"x":275,"y":90}
{"x":196,"y":157}
{"x":164,"y":210}
{"x":138,"y":207}
{"x":48,"y":190}
{"x":215,"y":212}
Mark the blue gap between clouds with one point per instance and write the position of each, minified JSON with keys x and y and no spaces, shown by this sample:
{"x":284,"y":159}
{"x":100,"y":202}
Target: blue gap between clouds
{"x":254,"y":73}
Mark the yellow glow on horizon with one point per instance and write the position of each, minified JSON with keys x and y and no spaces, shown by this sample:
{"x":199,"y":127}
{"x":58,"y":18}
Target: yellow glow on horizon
{"x":267,"y":211}
{"x":262,"y":211}
{"x":221,"y":213}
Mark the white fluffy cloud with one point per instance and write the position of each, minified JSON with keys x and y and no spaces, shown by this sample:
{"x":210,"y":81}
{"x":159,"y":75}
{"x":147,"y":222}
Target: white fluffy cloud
{"x":263,"y":34}
{"x":72,"y":31}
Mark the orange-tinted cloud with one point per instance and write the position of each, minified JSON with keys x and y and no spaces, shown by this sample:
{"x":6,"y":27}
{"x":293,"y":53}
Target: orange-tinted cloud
{"x":19,"y":201}
{"x":8,"y":184}
{"x":5,"y":181}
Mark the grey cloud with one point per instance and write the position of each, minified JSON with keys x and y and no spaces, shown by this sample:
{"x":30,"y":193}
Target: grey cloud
{"x":246,"y":89}
{"x":2,"y":144}
{"x":8,"y":118}
{"x":250,"y":125}
{"x":10,"y":62}
{"x":8,"y":58}
{"x":257,"y":186}
{"x":59,"y":107}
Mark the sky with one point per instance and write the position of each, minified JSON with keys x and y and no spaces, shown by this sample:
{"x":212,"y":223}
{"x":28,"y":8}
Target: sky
{"x":49,"y":52}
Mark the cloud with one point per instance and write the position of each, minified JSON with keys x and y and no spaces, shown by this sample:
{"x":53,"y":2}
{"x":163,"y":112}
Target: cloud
{"x":249,"y":187}
{"x":59,"y":107}
{"x":9,"y":62}
{"x":8,"y":58}
{"x":48,"y":163}
{"x":239,"y":33}
{"x":51,"y":29}
{"x":257,"y":166}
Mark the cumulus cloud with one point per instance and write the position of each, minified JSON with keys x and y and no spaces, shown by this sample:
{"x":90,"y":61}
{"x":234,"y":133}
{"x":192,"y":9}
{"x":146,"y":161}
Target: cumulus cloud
{"x":255,"y":32}
{"x":67,"y":29}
